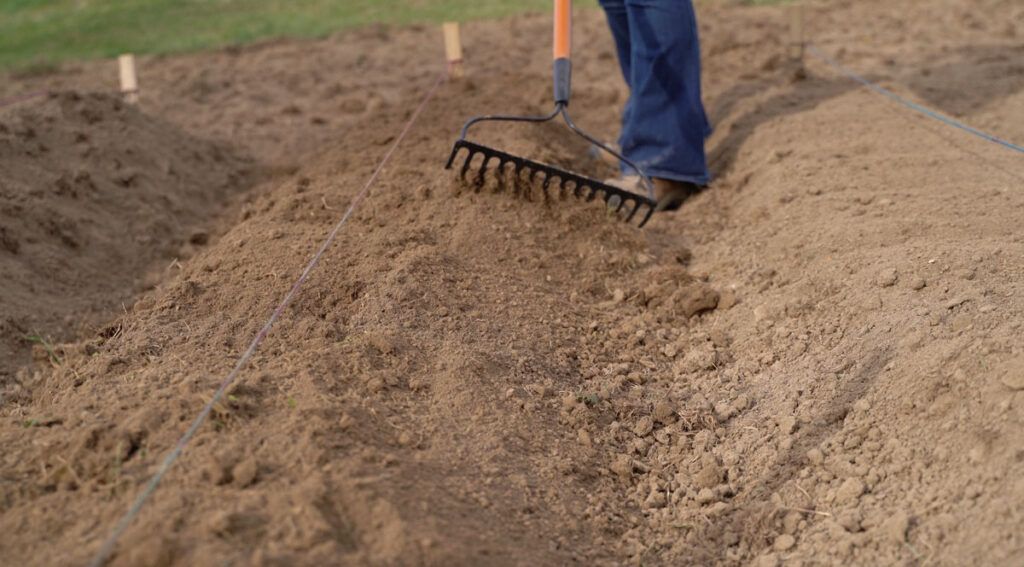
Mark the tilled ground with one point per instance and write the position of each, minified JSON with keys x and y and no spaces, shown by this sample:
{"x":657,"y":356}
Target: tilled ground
{"x":816,"y":361}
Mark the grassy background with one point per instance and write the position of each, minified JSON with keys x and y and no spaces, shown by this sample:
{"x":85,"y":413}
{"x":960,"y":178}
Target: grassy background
{"x":40,"y":33}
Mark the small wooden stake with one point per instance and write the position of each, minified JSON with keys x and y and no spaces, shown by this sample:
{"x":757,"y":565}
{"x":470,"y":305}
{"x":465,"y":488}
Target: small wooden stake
{"x":796,"y":31}
{"x":453,"y":50}
{"x":129,"y":81}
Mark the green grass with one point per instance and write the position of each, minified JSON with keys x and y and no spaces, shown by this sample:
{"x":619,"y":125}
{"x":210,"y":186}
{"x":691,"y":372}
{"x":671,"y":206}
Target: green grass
{"x":36,"y":34}
{"x":47,"y":346}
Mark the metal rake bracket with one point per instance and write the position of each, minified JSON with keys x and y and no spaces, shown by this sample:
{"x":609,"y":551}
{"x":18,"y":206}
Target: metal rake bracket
{"x":616,"y":199}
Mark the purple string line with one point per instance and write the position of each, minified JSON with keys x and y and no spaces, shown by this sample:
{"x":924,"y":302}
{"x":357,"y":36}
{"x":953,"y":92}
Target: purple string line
{"x":108,"y":546}
{"x":911,"y":104}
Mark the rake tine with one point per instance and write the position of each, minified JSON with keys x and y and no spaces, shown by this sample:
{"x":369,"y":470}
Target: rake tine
{"x":531,"y":180}
{"x":483,"y":171}
{"x":456,"y":150}
{"x":650,"y":211}
{"x":636,"y":207}
{"x":520,"y":168}
{"x":465,"y":165}
{"x":513,"y":176}
{"x":547,"y":180}
{"x":612,"y":201}
{"x":591,"y":193}
{"x":499,"y":172}
{"x":547,"y":183}
{"x":517,"y":180}
{"x":622,"y":203}
{"x":543,"y":175}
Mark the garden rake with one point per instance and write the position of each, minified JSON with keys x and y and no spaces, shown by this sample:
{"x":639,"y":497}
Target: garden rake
{"x":626,"y":205}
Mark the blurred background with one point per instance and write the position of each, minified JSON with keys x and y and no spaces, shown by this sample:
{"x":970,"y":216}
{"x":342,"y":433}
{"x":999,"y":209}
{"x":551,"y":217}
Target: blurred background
{"x":36,"y":34}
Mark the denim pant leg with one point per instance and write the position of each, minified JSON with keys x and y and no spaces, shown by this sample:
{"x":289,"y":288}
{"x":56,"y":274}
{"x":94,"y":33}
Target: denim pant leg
{"x":618,"y":21}
{"x":665,"y":124}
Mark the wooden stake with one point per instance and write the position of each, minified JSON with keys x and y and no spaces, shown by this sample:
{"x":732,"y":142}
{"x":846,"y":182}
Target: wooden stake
{"x":796,"y":32}
{"x":453,"y":50}
{"x":129,"y":80}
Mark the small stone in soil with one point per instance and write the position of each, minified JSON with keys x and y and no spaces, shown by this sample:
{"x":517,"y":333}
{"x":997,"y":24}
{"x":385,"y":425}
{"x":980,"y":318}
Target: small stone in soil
{"x":850,"y":491}
{"x":1013,"y":374}
{"x":727,"y":299}
{"x":664,"y":412}
{"x":643,"y":426}
{"x":623,"y":466}
{"x":656,"y":499}
{"x":850,"y":520}
{"x":784,"y":542}
{"x":791,"y":522}
{"x":245,"y":472}
{"x":705,"y":496}
{"x":887,"y":277}
{"x":710,"y":474}
{"x":895,"y":528}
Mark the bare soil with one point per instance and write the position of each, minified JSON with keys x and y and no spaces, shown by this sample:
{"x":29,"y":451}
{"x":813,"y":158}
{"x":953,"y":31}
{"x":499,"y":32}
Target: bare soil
{"x":816,"y":361}
{"x":95,"y":196}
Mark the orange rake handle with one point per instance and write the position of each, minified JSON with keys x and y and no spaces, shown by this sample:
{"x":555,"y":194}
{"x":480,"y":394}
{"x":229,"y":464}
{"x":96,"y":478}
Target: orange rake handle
{"x":563,"y":51}
{"x":563,"y":29}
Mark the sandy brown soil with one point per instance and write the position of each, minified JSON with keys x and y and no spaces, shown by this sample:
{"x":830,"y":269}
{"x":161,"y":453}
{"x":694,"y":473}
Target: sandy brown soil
{"x":817,"y":361}
{"x":94,"y":196}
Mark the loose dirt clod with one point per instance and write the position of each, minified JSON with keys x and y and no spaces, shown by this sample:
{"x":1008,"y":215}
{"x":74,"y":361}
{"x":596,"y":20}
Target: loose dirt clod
{"x":887,"y":277}
{"x":784,"y":542}
{"x":849,"y":491}
{"x":1013,"y":374}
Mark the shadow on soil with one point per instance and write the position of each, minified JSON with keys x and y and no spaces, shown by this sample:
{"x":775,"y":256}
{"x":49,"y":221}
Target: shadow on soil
{"x":803,"y":95}
{"x":753,"y":514}
{"x":954,"y":86}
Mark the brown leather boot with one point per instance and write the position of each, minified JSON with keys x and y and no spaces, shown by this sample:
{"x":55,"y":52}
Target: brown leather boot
{"x":629,"y":183}
{"x":671,"y":194}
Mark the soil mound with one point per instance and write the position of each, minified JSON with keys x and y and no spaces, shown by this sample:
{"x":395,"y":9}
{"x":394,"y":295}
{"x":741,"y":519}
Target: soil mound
{"x":93,"y":194}
{"x":443,"y":339}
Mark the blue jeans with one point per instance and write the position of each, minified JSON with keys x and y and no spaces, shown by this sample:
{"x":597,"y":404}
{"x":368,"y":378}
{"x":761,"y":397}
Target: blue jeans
{"x":663,"y":124}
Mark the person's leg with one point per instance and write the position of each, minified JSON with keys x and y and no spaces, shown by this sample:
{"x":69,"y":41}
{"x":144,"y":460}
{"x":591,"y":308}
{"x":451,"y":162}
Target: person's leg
{"x":666,"y":125}
{"x":618,"y":22}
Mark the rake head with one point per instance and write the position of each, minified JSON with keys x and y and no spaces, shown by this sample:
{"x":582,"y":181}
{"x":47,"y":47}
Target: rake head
{"x":625,"y":205}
